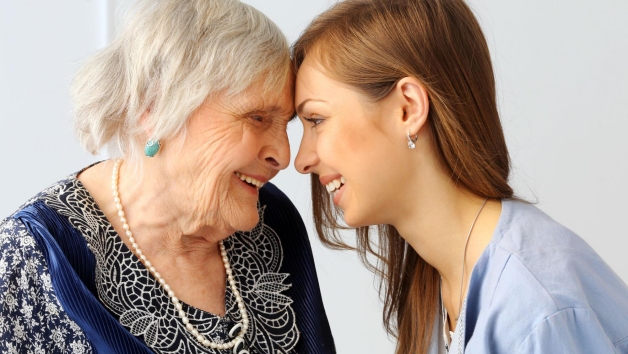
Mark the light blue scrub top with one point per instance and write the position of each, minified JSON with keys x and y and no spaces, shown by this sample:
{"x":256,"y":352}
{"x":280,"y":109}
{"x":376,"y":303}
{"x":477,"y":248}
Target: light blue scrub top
{"x":540,"y":288}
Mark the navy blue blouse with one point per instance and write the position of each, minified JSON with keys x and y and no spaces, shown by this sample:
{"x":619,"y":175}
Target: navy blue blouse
{"x":68,"y":284}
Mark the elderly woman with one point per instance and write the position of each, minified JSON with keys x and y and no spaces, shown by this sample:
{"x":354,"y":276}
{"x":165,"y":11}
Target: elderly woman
{"x":181,"y":245}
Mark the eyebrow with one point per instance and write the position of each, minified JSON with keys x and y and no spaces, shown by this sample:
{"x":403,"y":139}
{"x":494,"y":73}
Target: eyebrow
{"x":273,"y":110}
{"x":291,"y":117}
{"x":300,"y":106}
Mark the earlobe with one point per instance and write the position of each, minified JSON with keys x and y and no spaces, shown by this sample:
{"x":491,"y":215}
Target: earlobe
{"x":144,"y":123}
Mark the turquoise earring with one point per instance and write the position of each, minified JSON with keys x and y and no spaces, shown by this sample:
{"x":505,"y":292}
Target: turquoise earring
{"x":152,"y":148}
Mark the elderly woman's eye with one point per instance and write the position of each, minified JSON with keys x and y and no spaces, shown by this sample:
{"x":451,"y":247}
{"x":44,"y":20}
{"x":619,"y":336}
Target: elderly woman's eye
{"x":258,"y":118}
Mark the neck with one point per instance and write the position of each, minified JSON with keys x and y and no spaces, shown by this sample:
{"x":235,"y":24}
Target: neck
{"x":163,"y":218}
{"x":158,"y":214}
{"x":164,"y":234}
{"x":436,"y":217}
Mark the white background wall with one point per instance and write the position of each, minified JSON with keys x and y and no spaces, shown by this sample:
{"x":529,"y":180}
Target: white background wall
{"x":563,"y":95}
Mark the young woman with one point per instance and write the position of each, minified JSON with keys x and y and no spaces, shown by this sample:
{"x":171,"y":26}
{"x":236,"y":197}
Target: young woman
{"x":401,"y":130}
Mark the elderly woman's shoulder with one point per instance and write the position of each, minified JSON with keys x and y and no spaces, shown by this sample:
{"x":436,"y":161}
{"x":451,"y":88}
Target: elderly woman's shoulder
{"x":16,"y":241}
{"x":54,"y":189}
{"x":30,"y":312}
{"x":278,"y":213}
{"x":14,"y":233}
{"x":273,"y":199}
{"x":51,"y":190}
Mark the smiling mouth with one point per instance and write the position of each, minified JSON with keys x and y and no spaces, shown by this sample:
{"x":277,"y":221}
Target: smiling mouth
{"x":249,"y":180}
{"x":334,"y":186}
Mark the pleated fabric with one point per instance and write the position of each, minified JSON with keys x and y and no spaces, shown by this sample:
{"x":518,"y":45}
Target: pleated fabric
{"x":71,"y":265}
{"x":298,"y":261}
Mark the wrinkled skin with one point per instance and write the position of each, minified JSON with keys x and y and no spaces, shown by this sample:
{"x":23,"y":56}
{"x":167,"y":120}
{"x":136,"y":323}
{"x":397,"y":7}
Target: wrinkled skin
{"x":245,"y":134}
{"x":187,"y":198}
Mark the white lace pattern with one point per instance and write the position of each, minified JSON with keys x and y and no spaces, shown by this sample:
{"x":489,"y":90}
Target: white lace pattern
{"x":128,"y":290}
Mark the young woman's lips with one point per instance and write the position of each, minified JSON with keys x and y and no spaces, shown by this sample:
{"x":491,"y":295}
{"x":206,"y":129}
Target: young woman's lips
{"x":338,"y":195}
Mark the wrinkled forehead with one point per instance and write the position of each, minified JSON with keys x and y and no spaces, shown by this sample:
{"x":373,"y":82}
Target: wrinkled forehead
{"x":258,"y":97}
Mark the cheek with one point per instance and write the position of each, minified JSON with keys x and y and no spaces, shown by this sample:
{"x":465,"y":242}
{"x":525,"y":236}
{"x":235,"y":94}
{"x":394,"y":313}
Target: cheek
{"x":350,"y":148}
{"x":209,"y":161}
{"x":337,"y":144}
{"x":248,"y":147}
{"x":222,"y":151}
{"x":203,"y":163}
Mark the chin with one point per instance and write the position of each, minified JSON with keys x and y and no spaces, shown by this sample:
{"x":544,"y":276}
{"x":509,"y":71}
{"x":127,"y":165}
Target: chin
{"x":249,"y":226}
{"x":354,"y":221}
{"x":359,"y":217}
{"x":249,"y":220}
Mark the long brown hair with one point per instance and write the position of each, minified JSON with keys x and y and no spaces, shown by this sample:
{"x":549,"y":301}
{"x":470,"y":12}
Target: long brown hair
{"x":371,"y":45}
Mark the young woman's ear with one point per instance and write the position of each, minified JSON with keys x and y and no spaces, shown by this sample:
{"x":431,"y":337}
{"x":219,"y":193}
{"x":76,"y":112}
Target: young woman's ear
{"x":416,"y":105}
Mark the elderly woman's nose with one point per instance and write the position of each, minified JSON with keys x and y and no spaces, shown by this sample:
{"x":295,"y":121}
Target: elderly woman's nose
{"x":277,"y":153}
{"x":306,"y":158}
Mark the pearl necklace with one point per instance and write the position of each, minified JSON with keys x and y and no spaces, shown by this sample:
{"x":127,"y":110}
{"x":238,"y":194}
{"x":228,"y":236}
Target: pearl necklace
{"x":175,"y":301}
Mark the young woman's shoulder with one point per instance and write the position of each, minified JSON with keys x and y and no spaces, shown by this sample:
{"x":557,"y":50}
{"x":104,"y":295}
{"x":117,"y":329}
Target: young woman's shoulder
{"x":561,"y":262}
{"x":544,"y":278}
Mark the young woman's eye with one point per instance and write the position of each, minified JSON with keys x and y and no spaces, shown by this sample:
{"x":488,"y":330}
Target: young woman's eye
{"x":314,"y":120}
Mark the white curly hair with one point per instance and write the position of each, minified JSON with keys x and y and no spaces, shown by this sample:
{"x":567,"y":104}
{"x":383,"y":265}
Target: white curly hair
{"x":170,"y":58}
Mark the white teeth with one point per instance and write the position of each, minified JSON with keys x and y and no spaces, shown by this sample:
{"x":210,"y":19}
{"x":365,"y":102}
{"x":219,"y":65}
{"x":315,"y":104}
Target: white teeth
{"x":334,"y":185}
{"x":250,"y":180}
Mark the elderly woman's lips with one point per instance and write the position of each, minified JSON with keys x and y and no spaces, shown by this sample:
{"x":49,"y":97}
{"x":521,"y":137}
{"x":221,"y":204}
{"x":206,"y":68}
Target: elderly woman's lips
{"x":252,"y":181}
